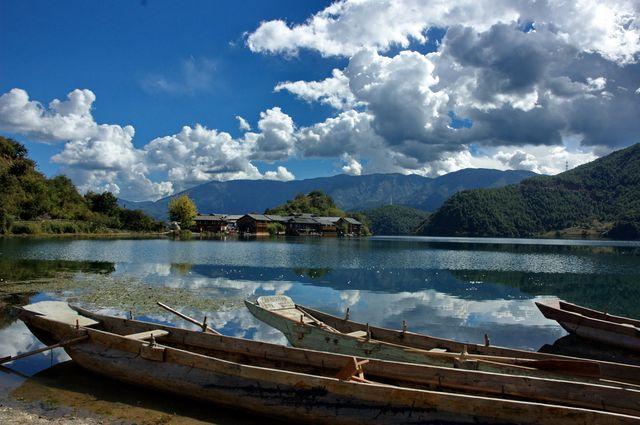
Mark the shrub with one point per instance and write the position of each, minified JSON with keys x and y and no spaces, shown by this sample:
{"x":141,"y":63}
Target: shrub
{"x":275,"y":229}
{"x":24,"y":228}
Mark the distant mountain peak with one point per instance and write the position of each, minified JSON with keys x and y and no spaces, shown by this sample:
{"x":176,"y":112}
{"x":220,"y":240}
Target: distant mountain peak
{"x":351,"y":193}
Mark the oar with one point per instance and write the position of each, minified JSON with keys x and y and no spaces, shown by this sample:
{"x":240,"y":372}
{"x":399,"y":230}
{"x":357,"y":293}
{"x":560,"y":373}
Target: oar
{"x":43,"y":349}
{"x":203,"y":325}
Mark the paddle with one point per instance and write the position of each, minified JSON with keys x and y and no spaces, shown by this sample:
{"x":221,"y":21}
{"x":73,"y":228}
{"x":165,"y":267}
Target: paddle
{"x":40,"y":350}
{"x":203,"y":325}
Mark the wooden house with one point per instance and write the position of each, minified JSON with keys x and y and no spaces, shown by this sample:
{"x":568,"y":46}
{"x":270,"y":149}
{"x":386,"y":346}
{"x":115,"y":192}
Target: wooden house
{"x":253,"y":224}
{"x":303,"y":224}
{"x":232,"y":222}
{"x":328,"y":225}
{"x":351,"y":225}
{"x":212,"y":223}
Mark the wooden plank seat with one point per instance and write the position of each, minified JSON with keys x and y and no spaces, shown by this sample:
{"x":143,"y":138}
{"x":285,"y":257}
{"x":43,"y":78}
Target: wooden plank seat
{"x":353,"y":371}
{"x":143,"y":336}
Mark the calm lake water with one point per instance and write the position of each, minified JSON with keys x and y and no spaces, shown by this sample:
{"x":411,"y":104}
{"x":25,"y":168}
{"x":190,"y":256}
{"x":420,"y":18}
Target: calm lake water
{"x":448,"y":287}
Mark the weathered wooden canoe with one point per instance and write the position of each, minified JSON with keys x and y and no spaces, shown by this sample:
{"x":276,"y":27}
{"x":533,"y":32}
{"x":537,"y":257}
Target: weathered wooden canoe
{"x":311,"y":386}
{"x":594,"y":325}
{"x":312,"y":329}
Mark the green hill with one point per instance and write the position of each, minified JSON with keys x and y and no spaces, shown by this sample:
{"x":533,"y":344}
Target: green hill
{"x":316,"y":202}
{"x":32,"y":203}
{"x":601,"y":198}
{"x":395,"y":219}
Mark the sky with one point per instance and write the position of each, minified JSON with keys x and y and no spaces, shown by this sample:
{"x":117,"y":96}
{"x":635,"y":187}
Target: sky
{"x":148,"y":98}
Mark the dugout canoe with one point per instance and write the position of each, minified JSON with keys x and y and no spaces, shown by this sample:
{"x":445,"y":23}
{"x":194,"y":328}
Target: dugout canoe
{"x":594,"y":325}
{"x":308,"y":328}
{"x":306,"y":385}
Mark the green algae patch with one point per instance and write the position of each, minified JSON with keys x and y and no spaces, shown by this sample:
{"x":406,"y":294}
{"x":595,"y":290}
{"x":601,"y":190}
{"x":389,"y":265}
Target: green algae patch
{"x":120,"y":293}
{"x":141,"y":298}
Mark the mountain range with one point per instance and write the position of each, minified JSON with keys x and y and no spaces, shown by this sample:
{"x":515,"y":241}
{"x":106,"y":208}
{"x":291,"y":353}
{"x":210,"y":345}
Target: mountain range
{"x":600,"y":198}
{"x":350,"y":193}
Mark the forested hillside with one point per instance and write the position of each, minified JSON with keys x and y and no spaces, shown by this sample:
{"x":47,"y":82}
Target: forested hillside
{"x":32,"y":203}
{"x":395,"y":219}
{"x":316,"y":202}
{"x":602,"y":198}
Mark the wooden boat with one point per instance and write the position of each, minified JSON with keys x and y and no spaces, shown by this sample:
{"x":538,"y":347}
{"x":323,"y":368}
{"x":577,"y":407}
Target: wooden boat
{"x":594,"y":325}
{"x":318,"y":387}
{"x":308,"y":328}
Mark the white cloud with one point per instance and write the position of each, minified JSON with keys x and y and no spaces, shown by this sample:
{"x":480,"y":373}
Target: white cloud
{"x":610,"y":28}
{"x":281,"y":174}
{"x":276,"y":139}
{"x":198,"y":154}
{"x":352,"y":166}
{"x":333,"y":91}
{"x":63,"y":120}
{"x":518,"y":160}
{"x":102,"y":157}
{"x":243,"y":125}
{"x":596,"y":84}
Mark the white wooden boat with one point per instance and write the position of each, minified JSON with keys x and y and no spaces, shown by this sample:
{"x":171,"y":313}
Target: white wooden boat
{"x":594,"y":325}
{"x":310,"y":386}
{"x":308,"y":328}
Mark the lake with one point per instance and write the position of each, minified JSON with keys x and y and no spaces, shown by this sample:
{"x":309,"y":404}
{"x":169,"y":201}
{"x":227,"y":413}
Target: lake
{"x":458,"y":288}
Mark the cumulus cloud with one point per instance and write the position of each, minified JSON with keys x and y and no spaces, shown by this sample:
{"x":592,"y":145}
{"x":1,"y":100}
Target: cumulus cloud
{"x":333,"y":91}
{"x":63,"y":120}
{"x":352,"y":166}
{"x":243,"y":124}
{"x":281,"y":174}
{"x":276,"y":138}
{"x":102,"y":157}
{"x":524,"y":75}
{"x":610,"y":28}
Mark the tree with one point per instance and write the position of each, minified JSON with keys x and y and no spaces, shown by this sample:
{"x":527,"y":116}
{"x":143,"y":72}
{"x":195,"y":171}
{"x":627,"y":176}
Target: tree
{"x":103,"y":203}
{"x":182,"y":210}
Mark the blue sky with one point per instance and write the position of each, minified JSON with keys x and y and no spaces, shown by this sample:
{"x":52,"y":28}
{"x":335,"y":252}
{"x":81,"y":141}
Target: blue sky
{"x":113,"y":48}
{"x":142,"y":98}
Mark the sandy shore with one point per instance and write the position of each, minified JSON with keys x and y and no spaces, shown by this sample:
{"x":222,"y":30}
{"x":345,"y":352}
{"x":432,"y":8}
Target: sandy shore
{"x":13,"y":415}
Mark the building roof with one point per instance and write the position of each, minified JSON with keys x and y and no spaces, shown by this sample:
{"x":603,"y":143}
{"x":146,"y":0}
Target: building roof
{"x":333,"y":220}
{"x":327,"y":221}
{"x":303,"y":220}
{"x":351,"y":221}
{"x":232,"y":216}
{"x":210,"y":217}
{"x":278,"y":218}
{"x":258,"y":217}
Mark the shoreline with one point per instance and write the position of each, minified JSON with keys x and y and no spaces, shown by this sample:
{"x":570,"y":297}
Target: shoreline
{"x":19,"y":415}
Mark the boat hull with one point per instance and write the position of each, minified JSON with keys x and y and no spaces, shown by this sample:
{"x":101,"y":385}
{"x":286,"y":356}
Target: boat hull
{"x":601,"y":331}
{"x":316,"y":338}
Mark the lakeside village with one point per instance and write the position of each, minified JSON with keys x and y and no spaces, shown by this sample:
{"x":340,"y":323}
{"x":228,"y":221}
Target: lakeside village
{"x":270,"y":224}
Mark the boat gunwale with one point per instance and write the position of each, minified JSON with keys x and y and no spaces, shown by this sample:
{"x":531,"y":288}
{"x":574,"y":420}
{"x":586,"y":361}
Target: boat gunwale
{"x":566,"y":316}
{"x":597,"y":314}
